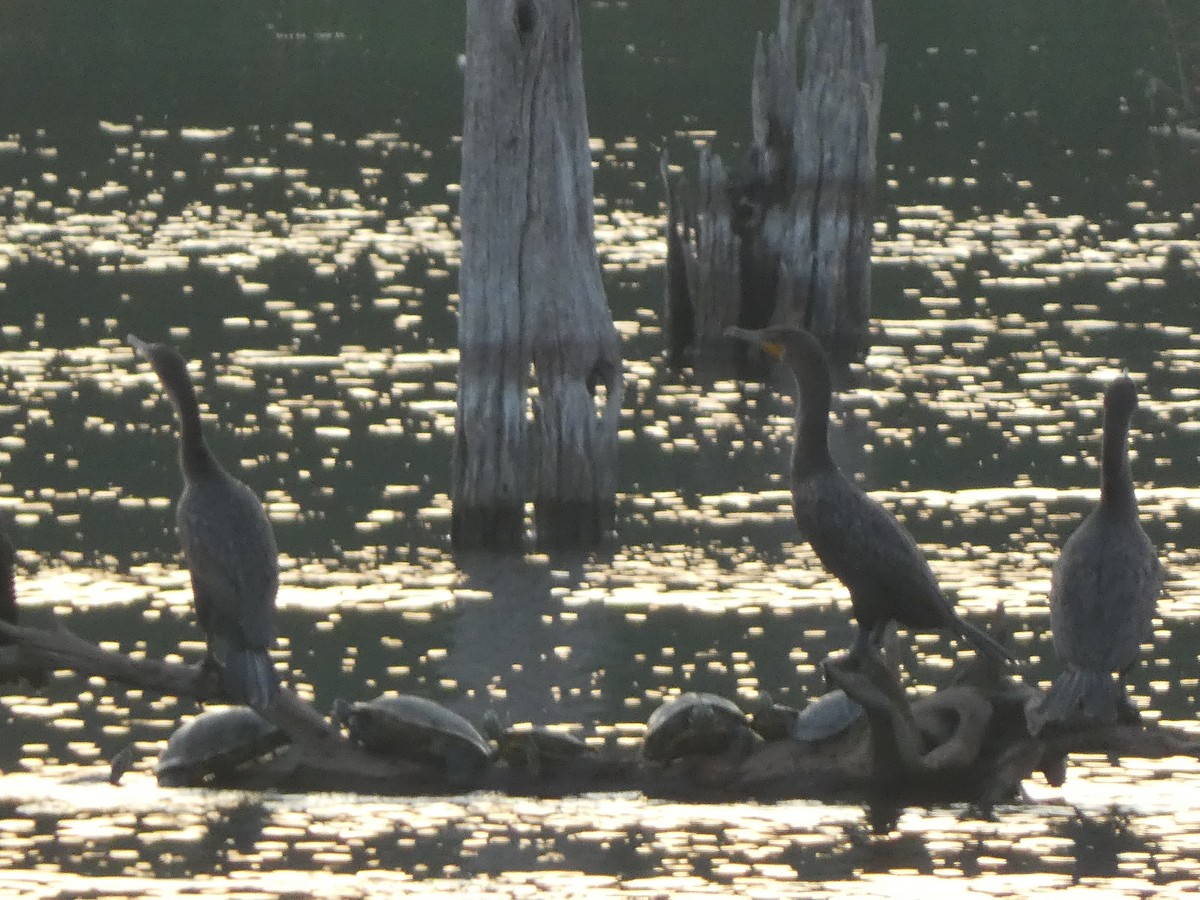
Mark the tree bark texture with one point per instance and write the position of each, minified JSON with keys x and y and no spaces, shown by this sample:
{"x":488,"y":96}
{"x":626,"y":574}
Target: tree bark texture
{"x":786,"y":237}
{"x":532,"y":309}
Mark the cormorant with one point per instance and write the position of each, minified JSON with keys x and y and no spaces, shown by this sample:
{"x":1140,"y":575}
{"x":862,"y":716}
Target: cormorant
{"x":228,"y":544}
{"x":8,"y":591}
{"x":1104,"y":586}
{"x":856,"y":539}
{"x":30,"y":673}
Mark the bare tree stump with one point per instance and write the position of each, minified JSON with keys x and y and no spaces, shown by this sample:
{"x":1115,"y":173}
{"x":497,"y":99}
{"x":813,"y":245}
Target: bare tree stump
{"x":532,"y":308}
{"x":786,"y":239}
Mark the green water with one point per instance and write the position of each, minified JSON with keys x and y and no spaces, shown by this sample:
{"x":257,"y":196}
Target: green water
{"x":273,"y":188}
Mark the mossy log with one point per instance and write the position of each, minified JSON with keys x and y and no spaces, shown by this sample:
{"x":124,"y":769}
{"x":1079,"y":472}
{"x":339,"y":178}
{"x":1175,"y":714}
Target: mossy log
{"x":965,"y":743}
{"x":785,"y":236}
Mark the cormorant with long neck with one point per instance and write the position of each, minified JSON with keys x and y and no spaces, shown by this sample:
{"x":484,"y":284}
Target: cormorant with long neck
{"x":228,"y":543}
{"x":856,"y":539}
{"x":1104,"y":586}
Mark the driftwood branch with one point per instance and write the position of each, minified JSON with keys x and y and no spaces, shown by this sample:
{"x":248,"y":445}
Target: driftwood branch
{"x":967,"y":742}
{"x":1133,"y":741}
{"x":35,"y":652}
{"x":316,"y":746}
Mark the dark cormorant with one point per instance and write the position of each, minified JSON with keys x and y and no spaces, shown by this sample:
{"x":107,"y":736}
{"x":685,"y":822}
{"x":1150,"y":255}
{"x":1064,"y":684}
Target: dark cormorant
{"x":8,"y":591}
{"x":857,"y":540}
{"x":1104,"y":586}
{"x":228,"y":543}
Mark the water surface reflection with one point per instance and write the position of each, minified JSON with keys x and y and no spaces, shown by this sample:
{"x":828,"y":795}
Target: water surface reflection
{"x":306,"y":262}
{"x":596,"y":846}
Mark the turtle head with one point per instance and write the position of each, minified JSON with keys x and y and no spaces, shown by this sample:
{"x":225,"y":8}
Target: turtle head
{"x":491,"y":725}
{"x":122,"y":763}
{"x":340,"y":712}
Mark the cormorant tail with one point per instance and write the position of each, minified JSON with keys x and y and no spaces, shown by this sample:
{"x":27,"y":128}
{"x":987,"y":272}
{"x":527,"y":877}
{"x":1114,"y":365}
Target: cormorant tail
{"x":1082,"y":695}
{"x":248,"y":674}
{"x":984,"y":642}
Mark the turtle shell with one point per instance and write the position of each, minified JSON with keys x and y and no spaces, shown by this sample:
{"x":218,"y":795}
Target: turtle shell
{"x":827,"y":716}
{"x":695,"y":724}
{"x":217,"y":745}
{"x":407,"y":727}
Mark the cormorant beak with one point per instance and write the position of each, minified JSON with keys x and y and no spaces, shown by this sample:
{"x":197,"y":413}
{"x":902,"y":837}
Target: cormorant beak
{"x":773,"y":348}
{"x":140,"y":347}
{"x":753,"y":336}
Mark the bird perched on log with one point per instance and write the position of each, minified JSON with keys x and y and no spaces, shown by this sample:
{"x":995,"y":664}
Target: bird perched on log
{"x":228,"y":543}
{"x":1103,"y":588}
{"x":856,"y":539}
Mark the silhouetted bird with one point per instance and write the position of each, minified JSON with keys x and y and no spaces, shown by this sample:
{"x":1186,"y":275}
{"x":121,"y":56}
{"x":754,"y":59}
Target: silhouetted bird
{"x":8,"y":591}
{"x":228,"y":543}
{"x":1104,"y":586}
{"x":857,"y":540}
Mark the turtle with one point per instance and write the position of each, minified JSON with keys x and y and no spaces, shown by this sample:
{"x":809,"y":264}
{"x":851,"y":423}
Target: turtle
{"x":697,"y":724}
{"x":773,"y":721}
{"x":404,"y":726}
{"x":827,"y":716}
{"x":535,"y":749}
{"x":216,"y":746}
{"x":834,"y":713}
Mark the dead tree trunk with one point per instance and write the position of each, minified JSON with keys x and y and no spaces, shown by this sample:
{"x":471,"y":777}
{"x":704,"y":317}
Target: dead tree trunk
{"x":532,"y":307}
{"x":786,"y":237}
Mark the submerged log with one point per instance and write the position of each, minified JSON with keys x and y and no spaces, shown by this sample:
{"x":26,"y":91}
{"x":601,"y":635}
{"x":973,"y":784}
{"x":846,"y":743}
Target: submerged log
{"x":532,"y":307}
{"x":965,"y":743}
{"x":786,"y":238}
{"x":317,"y":746}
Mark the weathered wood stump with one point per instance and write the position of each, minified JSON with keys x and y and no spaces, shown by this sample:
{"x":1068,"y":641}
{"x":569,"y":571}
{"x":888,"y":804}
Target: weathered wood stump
{"x":532,"y":305}
{"x":786,"y":237}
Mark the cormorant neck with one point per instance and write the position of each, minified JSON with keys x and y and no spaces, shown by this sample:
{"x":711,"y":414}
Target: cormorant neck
{"x":195,"y":458}
{"x":1116,"y":478}
{"x":811,"y":428}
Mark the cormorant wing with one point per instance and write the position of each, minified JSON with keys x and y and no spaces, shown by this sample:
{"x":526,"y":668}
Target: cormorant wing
{"x":231,"y":554}
{"x":1103,"y":594}
{"x":870,"y":552}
